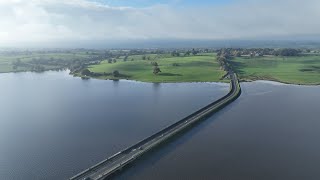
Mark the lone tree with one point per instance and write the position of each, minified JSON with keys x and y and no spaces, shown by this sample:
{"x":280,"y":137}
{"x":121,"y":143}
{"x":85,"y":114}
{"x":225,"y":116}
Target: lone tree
{"x":125,"y":58}
{"x":194,"y":52}
{"x":109,"y":61}
{"x":115,"y":73}
{"x":156,"y":70}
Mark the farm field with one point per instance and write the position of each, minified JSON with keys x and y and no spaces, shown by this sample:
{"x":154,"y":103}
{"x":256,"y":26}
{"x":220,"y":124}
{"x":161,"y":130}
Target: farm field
{"x":293,"y":70}
{"x":200,"y":68}
{"x":203,"y":67}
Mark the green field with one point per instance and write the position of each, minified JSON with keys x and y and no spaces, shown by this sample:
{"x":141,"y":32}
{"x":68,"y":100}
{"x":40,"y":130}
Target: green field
{"x":293,"y":70}
{"x":303,"y":69}
{"x":201,"y":68}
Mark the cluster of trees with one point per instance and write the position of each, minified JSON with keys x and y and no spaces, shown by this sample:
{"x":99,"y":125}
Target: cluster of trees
{"x":87,"y":72}
{"x":183,"y":52}
{"x":48,"y":62}
{"x":288,"y":52}
{"x":112,"y":60}
{"x":144,"y":57}
{"x":222,"y":58}
{"x":175,"y":53}
{"x":253,"y":52}
{"x":52,"y":59}
{"x":36,"y":67}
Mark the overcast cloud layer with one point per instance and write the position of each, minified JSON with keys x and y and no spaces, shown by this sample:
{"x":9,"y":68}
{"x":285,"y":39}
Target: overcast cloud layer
{"x":42,"y":21}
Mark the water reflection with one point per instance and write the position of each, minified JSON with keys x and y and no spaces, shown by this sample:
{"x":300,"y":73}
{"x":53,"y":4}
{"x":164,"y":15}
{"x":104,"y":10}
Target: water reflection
{"x":53,"y":125}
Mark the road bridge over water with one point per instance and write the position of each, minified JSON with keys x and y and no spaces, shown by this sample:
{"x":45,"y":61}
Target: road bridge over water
{"x":115,"y":163}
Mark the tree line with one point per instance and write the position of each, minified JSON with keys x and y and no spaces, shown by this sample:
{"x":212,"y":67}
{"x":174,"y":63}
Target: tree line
{"x":256,"y":52}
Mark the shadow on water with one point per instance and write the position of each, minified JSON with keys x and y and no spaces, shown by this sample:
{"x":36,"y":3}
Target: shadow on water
{"x":155,"y":155}
{"x":156,"y":86}
{"x":116,"y":83}
{"x":156,"y":89}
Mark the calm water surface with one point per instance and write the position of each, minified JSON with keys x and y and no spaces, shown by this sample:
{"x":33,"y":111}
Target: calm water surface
{"x":271,"y":132}
{"x":53,"y":125}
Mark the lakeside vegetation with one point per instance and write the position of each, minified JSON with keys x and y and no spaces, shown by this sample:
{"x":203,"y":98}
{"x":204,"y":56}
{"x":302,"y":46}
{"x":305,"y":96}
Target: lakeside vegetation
{"x":41,"y":60}
{"x":294,"y":66}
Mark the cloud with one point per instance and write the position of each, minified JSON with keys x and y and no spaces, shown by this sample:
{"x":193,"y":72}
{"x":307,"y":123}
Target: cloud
{"x":45,"y":21}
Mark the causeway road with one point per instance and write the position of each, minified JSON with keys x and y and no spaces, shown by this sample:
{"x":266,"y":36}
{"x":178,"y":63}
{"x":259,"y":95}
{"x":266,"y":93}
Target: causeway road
{"x":118,"y":161}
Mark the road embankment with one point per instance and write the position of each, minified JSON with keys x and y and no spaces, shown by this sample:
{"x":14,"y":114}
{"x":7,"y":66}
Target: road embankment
{"x":127,"y":156}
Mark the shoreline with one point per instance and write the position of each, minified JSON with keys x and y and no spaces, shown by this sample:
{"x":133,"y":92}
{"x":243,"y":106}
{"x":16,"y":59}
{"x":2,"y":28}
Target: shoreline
{"x":278,"y":81}
{"x":240,"y":80}
{"x":150,"y":82}
{"x":168,"y":82}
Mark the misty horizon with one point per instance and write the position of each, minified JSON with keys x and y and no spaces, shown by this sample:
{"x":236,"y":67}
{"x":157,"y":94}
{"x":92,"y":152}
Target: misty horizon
{"x":95,"y":24}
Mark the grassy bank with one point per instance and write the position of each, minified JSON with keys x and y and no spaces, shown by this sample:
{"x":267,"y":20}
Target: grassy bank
{"x":292,"y":70}
{"x":200,"y":68}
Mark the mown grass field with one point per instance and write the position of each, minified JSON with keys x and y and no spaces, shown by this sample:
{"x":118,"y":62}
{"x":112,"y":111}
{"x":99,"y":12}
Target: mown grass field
{"x":201,"y":68}
{"x":293,"y":70}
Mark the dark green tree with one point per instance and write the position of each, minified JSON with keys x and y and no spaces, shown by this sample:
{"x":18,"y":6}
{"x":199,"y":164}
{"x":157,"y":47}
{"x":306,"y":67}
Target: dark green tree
{"x":125,"y":58}
{"x":115,"y":73}
{"x":194,"y":52}
{"x":156,"y":70}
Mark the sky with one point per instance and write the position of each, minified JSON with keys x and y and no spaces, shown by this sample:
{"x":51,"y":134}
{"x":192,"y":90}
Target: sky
{"x":148,"y":3}
{"x":47,"y":22}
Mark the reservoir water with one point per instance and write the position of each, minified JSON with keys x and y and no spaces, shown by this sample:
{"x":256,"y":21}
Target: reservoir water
{"x":271,"y":132}
{"x":53,"y":125}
